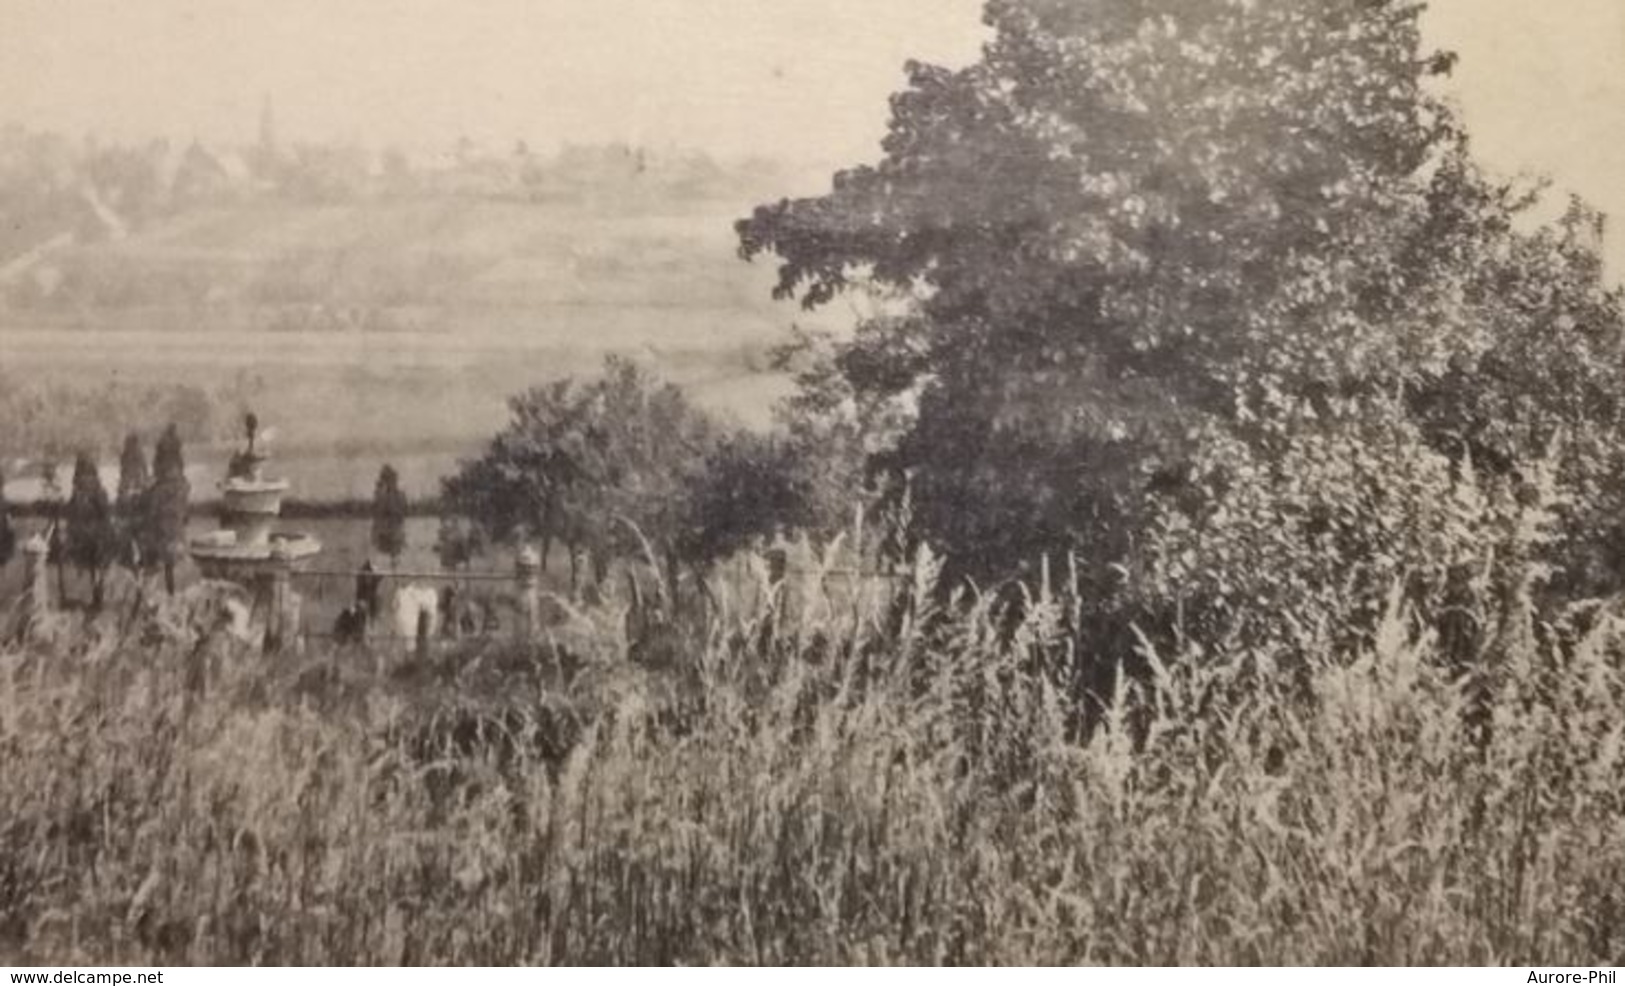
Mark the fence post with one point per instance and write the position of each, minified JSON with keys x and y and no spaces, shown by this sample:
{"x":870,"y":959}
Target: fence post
{"x":279,"y":600}
{"x":529,"y":572}
{"x":37,"y":576}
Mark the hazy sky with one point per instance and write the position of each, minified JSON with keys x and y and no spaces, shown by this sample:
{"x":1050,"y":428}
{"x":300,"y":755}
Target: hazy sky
{"x":1543,"y":83}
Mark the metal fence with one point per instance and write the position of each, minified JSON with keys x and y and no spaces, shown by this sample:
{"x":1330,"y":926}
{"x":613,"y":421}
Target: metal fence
{"x":419,"y":609}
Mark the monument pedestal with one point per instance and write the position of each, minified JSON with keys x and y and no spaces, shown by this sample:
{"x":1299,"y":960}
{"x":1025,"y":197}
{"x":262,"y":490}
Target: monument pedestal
{"x":248,"y":550}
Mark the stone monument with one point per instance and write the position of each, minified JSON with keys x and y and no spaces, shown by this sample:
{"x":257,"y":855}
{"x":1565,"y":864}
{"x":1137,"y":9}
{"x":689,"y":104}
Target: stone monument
{"x":248,"y":549}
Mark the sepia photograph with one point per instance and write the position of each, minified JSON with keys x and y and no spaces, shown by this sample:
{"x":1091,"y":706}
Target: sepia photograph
{"x":809,"y":483}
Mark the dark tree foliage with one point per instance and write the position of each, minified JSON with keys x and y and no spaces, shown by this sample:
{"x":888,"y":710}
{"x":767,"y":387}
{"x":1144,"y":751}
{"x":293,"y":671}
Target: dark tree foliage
{"x":131,"y":508}
{"x":1133,"y":234}
{"x":647,"y":446}
{"x":92,"y":543}
{"x":750,"y":488}
{"x":170,"y":506}
{"x":1123,"y":216}
{"x":830,"y":427}
{"x":1548,"y":384}
{"x":519,"y":488}
{"x":389,"y":514}
{"x":606,"y":467}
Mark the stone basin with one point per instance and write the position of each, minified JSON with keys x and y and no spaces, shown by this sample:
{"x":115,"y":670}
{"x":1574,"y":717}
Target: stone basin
{"x":223,"y":545}
{"x":247,"y":496}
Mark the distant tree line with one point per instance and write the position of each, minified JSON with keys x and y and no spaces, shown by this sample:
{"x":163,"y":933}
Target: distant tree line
{"x":53,"y":421}
{"x":51,"y":185}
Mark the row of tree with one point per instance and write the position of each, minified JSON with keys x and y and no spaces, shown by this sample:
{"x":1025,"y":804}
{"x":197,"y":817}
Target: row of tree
{"x":55,"y":419}
{"x":143,"y":528}
{"x":625,"y":466}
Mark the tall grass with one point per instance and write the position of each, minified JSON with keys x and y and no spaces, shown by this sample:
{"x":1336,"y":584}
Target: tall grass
{"x":836,"y":785}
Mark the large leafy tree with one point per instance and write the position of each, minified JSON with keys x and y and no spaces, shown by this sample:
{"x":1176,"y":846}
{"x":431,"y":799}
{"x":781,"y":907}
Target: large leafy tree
{"x":1131,"y":221}
{"x":647,"y":448}
{"x":750,"y":487}
{"x":1547,"y":391}
{"x":523,"y":484}
{"x":606,"y":466}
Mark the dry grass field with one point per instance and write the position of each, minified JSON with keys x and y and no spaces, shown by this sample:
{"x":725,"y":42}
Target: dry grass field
{"x":816,"y":789}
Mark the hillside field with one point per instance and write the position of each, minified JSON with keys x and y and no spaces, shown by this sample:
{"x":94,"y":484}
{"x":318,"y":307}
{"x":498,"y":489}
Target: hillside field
{"x":394,"y":331}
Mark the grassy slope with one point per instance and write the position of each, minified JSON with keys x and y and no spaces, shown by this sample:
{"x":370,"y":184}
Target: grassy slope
{"x":463,"y":302}
{"x":439,"y":263}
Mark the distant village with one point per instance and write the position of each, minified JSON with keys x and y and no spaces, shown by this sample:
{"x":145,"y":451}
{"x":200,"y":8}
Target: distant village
{"x":57,"y":191}
{"x":169,"y":235}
